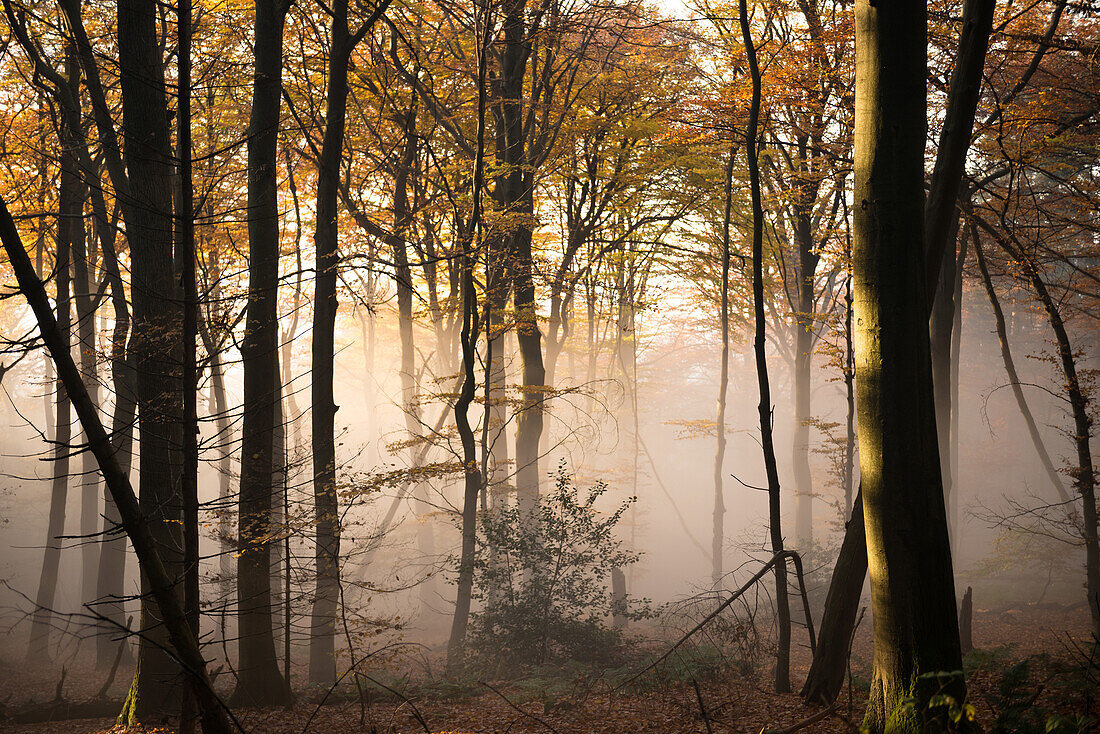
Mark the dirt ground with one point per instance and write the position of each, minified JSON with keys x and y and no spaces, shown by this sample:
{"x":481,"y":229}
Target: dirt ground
{"x":1029,"y":666}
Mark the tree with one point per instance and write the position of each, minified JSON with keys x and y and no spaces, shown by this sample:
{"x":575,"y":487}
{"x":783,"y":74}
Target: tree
{"x":917,"y":650}
{"x":783,"y":611}
{"x":259,"y":681}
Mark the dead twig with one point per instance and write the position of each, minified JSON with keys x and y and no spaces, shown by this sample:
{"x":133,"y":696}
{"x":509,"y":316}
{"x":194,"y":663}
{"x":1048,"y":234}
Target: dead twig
{"x":517,"y":708}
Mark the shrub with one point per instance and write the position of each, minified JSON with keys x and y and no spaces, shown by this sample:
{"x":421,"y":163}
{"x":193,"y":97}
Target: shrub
{"x":543,"y":582}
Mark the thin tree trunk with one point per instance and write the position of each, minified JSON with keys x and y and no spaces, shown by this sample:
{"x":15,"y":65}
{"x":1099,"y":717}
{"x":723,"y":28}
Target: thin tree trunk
{"x":803,"y":364}
{"x":69,"y":228}
{"x":470,"y":238}
{"x":259,"y":681}
{"x":783,"y":612}
{"x":718,"y":535}
{"x":111,"y":573}
{"x":84,"y":300}
{"x":1013,"y":377}
{"x":1085,"y":473}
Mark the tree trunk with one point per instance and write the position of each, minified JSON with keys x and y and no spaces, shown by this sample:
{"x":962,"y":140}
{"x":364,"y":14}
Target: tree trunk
{"x":803,"y":363}
{"x":84,"y":300}
{"x":1085,"y":471}
{"x":826,"y":676}
{"x":70,"y":227}
{"x":259,"y":682}
{"x":186,"y":265}
{"x":783,"y":612}
{"x":469,"y":239}
{"x":966,"y":621}
{"x":155,"y":341}
{"x":1013,"y":377}
{"x":915,"y":633}
{"x":718,"y":534}
{"x":519,"y":201}
{"x":977,"y":23}
{"x":941,"y":328}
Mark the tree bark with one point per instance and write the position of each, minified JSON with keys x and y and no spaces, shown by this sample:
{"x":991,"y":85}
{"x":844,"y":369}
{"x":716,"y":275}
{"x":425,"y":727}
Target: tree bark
{"x":718,"y":534}
{"x":322,"y":639}
{"x":156,"y":338}
{"x":70,"y":226}
{"x":473,"y":480}
{"x":836,"y":627}
{"x":783,"y":612}
{"x":916,"y":634}
{"x":259,"y":681}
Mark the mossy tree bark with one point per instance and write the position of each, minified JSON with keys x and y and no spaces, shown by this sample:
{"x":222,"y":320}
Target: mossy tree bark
{"x":827,"y":672}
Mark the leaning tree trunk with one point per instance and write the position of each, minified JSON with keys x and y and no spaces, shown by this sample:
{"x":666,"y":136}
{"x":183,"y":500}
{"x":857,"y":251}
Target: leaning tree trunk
{"x":1085,"y":474}
{"x":904,"y":513}
{"x":1013,"y":377}
{"x":783,"y":612}
{"x":259,"y":681}
{"x":140,"y":530}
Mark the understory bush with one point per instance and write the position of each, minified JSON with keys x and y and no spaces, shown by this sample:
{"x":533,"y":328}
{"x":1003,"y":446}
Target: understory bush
{"x":543,"y":581}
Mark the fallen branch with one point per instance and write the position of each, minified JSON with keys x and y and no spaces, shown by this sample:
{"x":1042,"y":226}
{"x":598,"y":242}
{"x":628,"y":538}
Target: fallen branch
{"x":780,"y":556}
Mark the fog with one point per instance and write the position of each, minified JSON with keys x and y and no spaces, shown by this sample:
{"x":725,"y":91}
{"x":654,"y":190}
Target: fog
{"x":403,"y":579}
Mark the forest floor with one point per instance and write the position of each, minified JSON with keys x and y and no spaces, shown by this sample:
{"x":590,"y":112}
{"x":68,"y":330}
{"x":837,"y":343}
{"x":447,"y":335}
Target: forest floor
{"x":1029,"y":666}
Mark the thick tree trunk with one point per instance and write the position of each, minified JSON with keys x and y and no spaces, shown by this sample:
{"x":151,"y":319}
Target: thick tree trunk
{"x":915,"y":633}
{"x":519,"y":201}
{"x":259,"y":682}
{"x":156,"y":339}
{"x":977,"y":23}
{"x":186,"y":266}
{"x":783,"y":612}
